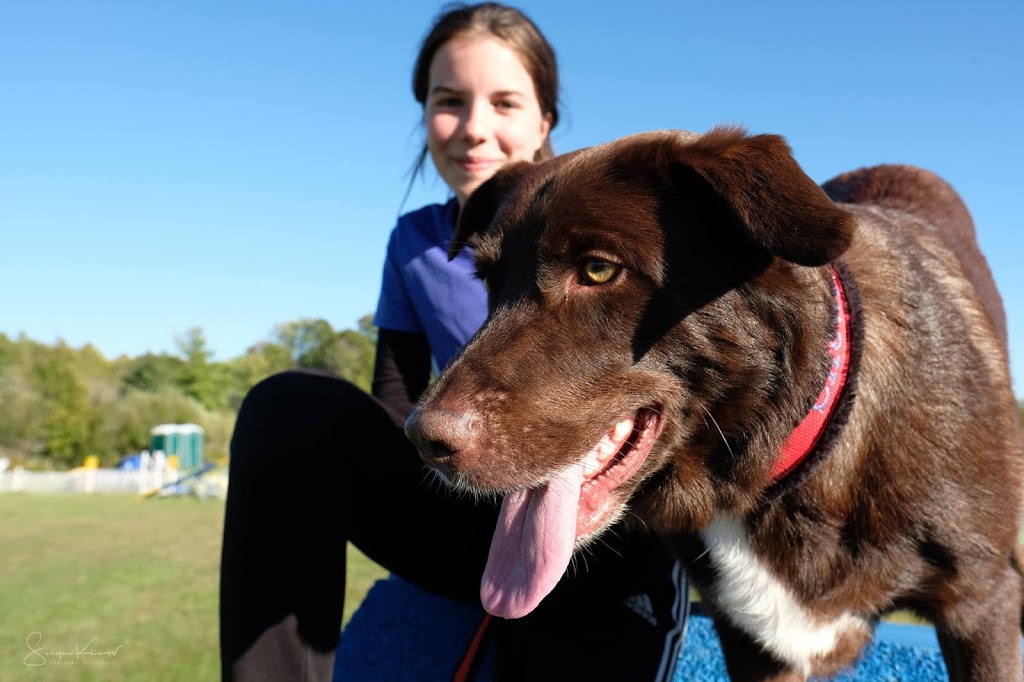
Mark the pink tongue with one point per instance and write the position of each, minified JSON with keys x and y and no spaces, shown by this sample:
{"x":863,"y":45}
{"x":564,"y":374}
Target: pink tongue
{"x":532,"y":545}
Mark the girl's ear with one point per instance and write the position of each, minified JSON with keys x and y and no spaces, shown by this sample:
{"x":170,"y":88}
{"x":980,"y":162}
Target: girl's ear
{"x":545,"y":127}
{"x":545,"y":143}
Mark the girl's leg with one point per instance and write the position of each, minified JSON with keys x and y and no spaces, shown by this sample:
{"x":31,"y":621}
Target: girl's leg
{"x":316,"y":462}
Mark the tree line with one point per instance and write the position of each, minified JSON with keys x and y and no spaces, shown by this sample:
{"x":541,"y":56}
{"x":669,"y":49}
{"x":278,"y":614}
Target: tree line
{"x":60,"y":404}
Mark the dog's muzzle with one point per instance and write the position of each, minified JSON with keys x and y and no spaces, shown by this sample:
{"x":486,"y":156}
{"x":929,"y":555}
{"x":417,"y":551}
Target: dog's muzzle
{"x":442,"y":436}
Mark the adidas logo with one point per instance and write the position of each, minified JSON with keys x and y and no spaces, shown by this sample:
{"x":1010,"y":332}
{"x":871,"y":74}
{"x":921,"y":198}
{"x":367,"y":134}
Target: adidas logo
{"x":641,"y":605}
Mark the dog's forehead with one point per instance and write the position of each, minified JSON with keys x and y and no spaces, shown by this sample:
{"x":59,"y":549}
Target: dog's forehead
{"x":599,"y":197}
{"x":632,"y":165}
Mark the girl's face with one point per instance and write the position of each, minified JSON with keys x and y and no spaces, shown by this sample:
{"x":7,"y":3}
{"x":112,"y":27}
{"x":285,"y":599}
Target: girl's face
{"x":481,"y":112}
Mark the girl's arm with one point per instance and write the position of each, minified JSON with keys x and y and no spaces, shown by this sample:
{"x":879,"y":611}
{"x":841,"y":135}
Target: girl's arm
{"x":401,"y":370}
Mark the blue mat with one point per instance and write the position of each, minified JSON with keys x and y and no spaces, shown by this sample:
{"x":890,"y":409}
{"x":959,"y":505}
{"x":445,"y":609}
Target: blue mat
{"x":403,"y":634}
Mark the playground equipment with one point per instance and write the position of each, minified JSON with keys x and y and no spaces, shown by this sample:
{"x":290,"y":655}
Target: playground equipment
{"x":209,"y":480}
{"x":167,"y":486}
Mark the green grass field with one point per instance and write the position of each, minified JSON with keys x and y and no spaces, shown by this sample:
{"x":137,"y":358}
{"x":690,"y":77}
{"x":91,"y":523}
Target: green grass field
{"x":129,"y":583}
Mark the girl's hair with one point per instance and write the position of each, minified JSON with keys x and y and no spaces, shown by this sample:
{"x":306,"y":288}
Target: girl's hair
{"x":510,"y":26}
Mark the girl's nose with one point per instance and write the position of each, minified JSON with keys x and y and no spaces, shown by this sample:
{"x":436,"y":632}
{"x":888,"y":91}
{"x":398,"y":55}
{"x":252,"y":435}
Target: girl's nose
{"x":477,"y":124}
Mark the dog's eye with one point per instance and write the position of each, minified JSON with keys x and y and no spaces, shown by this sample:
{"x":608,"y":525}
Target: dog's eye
{"x":599,"y":271}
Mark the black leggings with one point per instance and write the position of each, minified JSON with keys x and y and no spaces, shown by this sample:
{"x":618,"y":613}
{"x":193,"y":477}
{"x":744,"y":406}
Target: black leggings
{"x":316,"y":462}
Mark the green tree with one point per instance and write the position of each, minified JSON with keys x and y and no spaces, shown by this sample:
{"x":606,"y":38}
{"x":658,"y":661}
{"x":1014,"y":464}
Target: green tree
{"x":258,"y":362}
{"x":150,"y":372}
{"x":198,"y":378}
{"x":60,"y":404}
{"x":315,"y":344}
{"x":352,"y":358}
{"x":8,"y":349}
{"x":21,"y":416}
{"x":368,"y":329}
{"x":67,"y":418}
{"x":309,"y":342}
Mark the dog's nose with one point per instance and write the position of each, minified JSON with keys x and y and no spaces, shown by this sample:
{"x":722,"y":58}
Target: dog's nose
{"x":441,"y":435}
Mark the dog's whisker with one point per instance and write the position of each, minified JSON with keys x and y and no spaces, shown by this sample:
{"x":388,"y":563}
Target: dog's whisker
{"x":583,"y":557}
{"x":612,"y":532}
{"x":572,"y":565}
{"x":715,"y":422}
{"x":639,"y":521}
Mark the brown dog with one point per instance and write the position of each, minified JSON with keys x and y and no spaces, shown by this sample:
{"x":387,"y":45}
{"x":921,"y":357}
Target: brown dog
{"x":808,"y":390}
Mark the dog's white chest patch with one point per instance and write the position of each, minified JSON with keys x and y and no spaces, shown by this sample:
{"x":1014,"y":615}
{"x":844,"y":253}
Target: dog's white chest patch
{"x":758,"y":603}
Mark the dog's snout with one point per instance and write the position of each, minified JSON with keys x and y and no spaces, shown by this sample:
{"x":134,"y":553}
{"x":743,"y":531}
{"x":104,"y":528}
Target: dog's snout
{"x":441,"y":435}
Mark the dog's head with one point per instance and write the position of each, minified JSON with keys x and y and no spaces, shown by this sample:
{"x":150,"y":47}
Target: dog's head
{"x":644,"y":299}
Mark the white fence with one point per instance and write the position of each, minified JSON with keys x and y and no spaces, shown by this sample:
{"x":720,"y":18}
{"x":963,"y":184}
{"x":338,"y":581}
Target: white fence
{"x":152,"y":473}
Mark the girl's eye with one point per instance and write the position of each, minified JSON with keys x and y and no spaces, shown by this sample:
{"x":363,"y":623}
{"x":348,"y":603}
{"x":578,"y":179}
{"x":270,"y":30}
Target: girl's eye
{"x":599,"y":271}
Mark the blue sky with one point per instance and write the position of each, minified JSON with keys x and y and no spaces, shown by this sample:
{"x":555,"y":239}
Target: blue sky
{"x":235,"y":165}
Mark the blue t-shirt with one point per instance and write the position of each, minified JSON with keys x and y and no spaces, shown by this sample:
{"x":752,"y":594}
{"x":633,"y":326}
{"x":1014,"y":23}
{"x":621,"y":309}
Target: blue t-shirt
{"x":422,"y":292}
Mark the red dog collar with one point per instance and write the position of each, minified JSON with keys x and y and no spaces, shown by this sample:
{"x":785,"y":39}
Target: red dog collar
{"x":808,"y":432}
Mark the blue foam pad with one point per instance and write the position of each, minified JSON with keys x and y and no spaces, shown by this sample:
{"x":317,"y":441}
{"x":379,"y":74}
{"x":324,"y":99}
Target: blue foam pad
{"x":401,"y":633}
{"x":404,"y":634}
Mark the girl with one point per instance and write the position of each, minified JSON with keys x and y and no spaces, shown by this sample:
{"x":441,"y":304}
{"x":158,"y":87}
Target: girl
{"x":316,"y":462}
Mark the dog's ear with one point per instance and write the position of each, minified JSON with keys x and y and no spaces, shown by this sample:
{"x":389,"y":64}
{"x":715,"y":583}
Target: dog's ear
{"x":782,"y":209}
{"x":482,"y":205}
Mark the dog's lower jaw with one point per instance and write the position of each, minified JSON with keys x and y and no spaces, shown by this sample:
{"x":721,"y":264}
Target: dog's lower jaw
{"x":760,"y":605}
{"x":627,"y":446}
{"x":539,"y":528}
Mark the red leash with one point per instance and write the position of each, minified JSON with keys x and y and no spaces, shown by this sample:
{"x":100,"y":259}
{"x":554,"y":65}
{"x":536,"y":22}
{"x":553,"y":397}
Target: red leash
{"x":473,"y":653}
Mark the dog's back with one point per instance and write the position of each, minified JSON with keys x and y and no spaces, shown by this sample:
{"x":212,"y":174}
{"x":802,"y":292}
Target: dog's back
{"x":939,"y":211}
{"x":923,"y":194}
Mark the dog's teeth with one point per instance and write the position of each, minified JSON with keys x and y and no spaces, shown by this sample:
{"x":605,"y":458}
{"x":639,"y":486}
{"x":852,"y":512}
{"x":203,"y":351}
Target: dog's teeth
{"x":592,"y":463}
{"x":622,"y":431}
{"x":596,"y":459}
{"x":606,"y":448}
